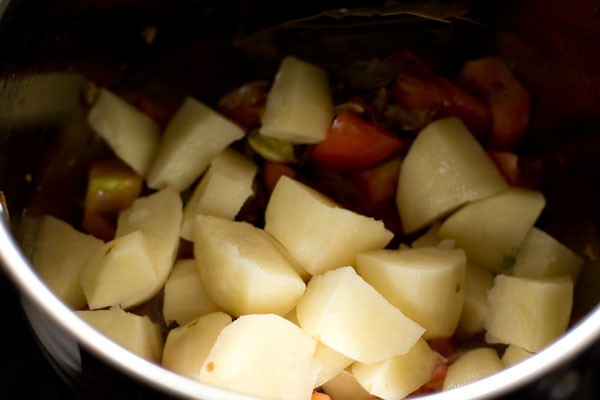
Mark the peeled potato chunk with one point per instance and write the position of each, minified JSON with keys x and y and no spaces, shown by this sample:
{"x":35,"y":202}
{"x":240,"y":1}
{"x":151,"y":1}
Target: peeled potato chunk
{"x":444,"y":168}
{"x":195,"y":135}
{"x":222,"y":191}
{"x":122,"y":272}
{"x":344,"y":386}
{"x":475,"y":310}
{"x":59,"y":257}
{"x":541,"y":255}
{"x":331,"y":363}
{"x":185,"y":298}
{"x":136,"y":333}
{"x":514,"y":355}
{"x":242,"y":270}
{"x":159,"y":217}
{"x":491,"y":230}
{"x":131,"y":134}
{"x":299,"y":107}
{"x":317,"y":232}
{"x":527,"y":312}
{"x":398,"y":376}
{"x":188,"y":346}
{"x":262,"y":355}
{"x":347,"y":314}
{"x":427,"y":284}
{"x":472,"y":366}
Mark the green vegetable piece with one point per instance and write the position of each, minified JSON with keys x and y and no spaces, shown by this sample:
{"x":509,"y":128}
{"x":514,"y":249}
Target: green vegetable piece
{"x":271,"y":149}
{"x":110,"y":184}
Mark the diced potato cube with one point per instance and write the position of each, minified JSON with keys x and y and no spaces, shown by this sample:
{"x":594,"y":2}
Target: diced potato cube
{"x":491,"y":230}
{"x":475,"y":310}
{"x":344,"y":386}
{"x":195,"y":134}
{"x":242,"y":270}
{"x":135,"y":333}
{"x":222,"y":191}
{"x":527,"y":312}
{"x":513,"y":355}
{"x":471,"y":366}
{"x":427,"y":284}
{"x":318,"y":233}
{"x":159,"y":217}
{"x":331,"y":363}
{"x":131,"y":134}
{"x":121,"y":272}
{"x":185,"y":298}
{"x":398,"y":376}
{"x":445,"y":168}
{"x":541,"y":255}
{"x":347,"y":314}
{"x":304,"y":274}
{"x":427,"y":239}
{"x":188,"y":346}
{"x":262,"y":355}
{"x":299,"y":107}
{"x":59,"y":257}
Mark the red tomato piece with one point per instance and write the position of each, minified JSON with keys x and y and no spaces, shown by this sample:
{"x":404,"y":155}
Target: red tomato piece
{"x":517,"y":170}
{"x":378,"y":184}
{"x":458,"y":102}
{"x":509,"y":100}
{"x":319,"y":396}
{"x":445,"y":346}
{"x":414,"y":92}
{"x":508,"y":165}
{"x":353,"y":143}
{"x":442,"y":98}
{"x":272,"y":171}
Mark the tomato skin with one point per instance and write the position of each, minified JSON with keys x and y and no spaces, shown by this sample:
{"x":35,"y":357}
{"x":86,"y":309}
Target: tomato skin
{"x":458,"y":102}
{"x":414,"y":92}
{"x":272,"y":171}
{"x":319,"y":396}
{"x":509,"y":100}
{"x":440,"y":97}
{"x":508,"y":165}
{"x":353,"y":143}
{"x":378,"y":184}
{"x":445,"y":346}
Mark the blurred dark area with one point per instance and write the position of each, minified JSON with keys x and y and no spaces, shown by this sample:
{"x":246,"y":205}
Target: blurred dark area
{"x":25,"y":372}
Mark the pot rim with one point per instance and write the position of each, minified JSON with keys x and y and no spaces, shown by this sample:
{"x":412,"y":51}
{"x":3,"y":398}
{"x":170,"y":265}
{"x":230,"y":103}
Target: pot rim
{"x":573,"y":342}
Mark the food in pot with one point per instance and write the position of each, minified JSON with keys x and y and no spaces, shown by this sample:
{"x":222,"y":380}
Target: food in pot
{"x":306,"y":237}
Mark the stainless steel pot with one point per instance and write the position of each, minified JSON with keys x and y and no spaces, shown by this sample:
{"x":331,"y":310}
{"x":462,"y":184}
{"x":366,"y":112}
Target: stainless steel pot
{"x":47,"y":48}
